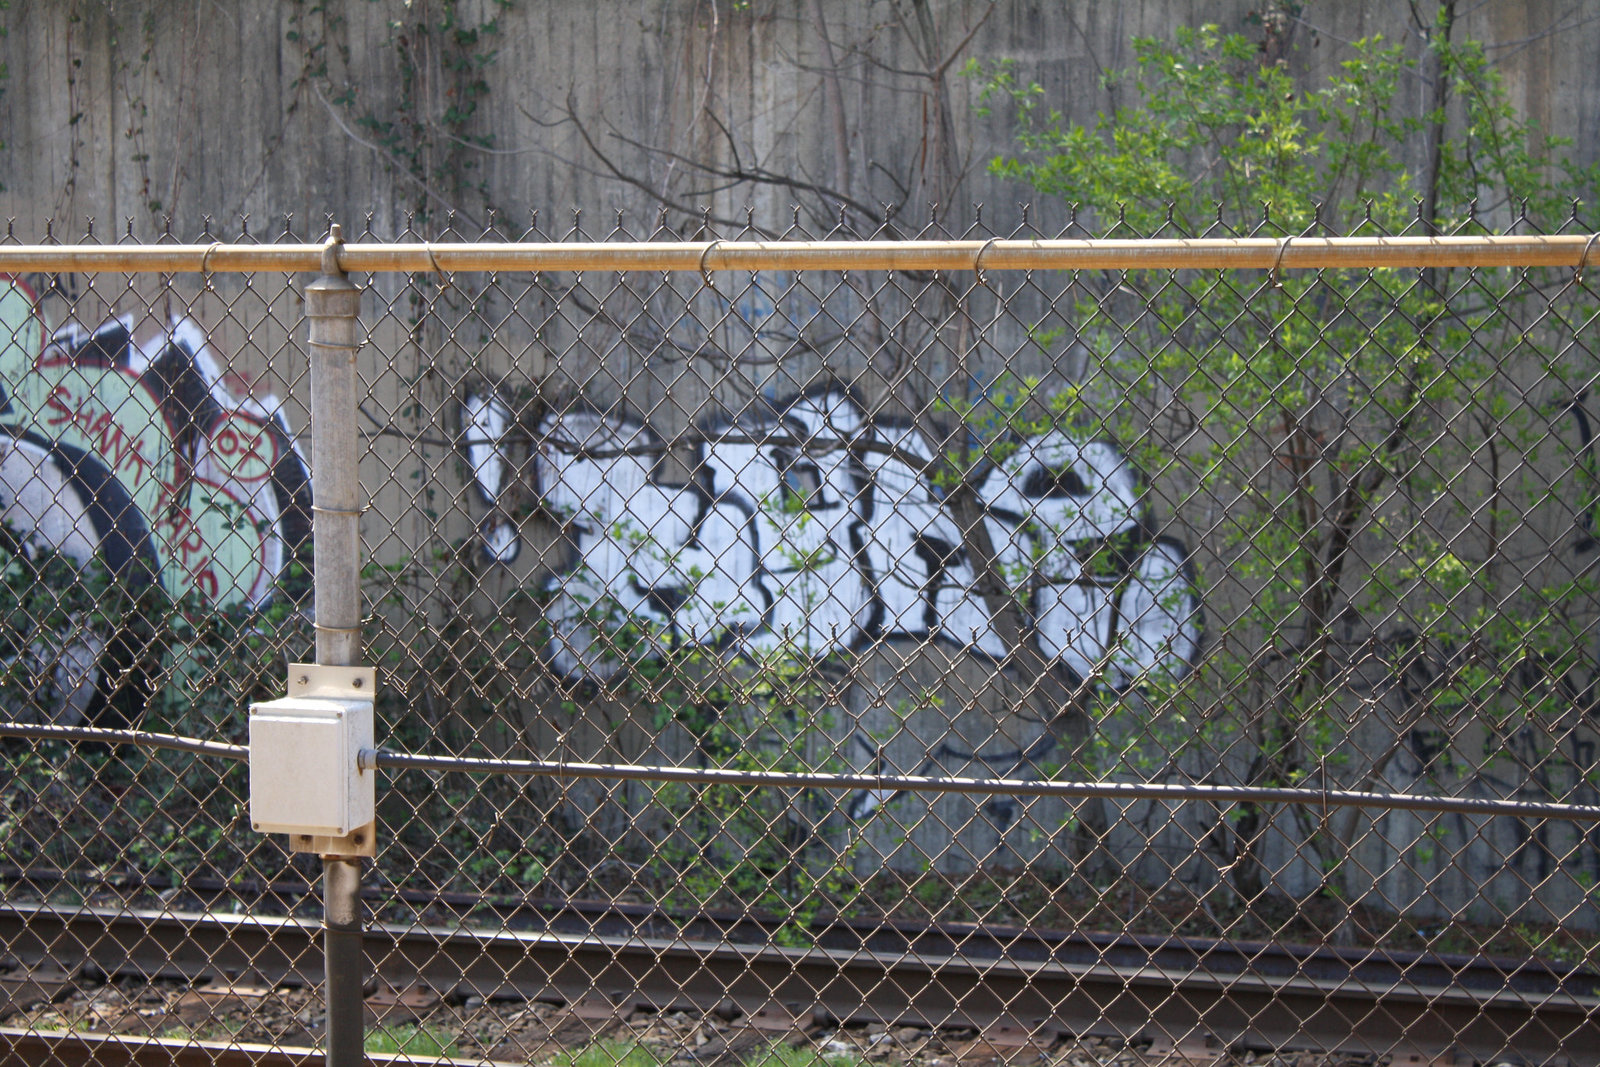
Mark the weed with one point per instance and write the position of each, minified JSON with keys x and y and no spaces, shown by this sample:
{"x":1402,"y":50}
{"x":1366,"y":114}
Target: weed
{"x":610,"y":1053}
{"x":411,"y":1040}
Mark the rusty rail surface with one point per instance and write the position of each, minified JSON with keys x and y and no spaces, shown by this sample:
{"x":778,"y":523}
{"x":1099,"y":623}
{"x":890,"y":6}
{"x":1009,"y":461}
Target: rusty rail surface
{"x":887,"y":937}
{"x":1271,"y":997}
{"x":121,"y":1050}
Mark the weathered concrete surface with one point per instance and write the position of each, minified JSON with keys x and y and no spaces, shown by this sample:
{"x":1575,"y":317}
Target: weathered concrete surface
{"x":119,"y":110}
{"x":233,"y":108}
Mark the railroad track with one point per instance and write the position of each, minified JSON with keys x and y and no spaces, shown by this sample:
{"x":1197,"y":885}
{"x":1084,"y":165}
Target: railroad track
{"x":104,"y":1050}
{"x":888,"y":937}
{"x":1019,"y":982}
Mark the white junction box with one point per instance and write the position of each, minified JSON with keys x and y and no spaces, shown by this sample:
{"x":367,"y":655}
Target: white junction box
{"x":305,"y":777}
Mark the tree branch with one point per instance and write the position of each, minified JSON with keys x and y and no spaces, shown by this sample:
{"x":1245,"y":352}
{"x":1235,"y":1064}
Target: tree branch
{"x":397,"y":164}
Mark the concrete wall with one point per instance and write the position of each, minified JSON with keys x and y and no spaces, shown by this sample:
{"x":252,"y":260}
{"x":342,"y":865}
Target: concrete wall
{"x":233,"y":109}
{"x":221,"y":109}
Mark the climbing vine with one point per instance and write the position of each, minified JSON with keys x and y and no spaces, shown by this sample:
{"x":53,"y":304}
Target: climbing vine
{"x":135,"y":102}
{"x":5,"y":68}
{"x":418,"y":113}
{"x":420,"y":120}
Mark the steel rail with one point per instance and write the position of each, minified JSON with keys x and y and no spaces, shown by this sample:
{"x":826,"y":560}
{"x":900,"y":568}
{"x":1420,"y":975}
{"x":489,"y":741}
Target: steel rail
{"x":884,"y":935}
{"x":123,"y":1050}
{"x":141,"y":738}
{"x":1369,"y":1009}
{"x":1233,"y":253}
{"x":1125,"y":792}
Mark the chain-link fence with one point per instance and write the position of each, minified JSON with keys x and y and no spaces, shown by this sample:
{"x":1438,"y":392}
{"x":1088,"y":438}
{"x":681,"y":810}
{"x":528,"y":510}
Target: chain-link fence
{"x":903,"y":647}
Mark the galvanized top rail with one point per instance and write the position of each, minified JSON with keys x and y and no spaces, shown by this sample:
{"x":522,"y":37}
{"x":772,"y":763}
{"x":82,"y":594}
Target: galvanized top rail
{"x":1242,"y":253}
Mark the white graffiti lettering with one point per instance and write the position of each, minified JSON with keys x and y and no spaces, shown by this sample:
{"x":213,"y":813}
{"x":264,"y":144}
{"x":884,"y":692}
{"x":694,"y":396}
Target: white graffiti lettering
{"x":806,"y":524}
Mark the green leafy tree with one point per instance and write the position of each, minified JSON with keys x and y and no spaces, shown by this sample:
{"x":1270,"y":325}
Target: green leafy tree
{"x":1374,"y":458}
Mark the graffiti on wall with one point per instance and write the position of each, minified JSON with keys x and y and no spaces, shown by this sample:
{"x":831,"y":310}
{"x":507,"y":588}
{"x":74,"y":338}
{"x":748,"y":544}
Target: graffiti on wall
{"x":807,"y":526}
{"x":1539,"y":744}
{"x":1547,"y":755}
{"x":139,"y":448}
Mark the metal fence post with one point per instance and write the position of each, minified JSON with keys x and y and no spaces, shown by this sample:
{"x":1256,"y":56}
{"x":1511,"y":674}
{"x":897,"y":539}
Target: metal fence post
{"x":333,"y":305}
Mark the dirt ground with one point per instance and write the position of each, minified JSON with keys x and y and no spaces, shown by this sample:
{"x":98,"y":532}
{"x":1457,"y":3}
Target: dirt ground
{"x":422,"y":1022}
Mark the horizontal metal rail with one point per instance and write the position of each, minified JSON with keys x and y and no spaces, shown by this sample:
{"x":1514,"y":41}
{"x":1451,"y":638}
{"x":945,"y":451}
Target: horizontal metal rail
{"x":1364,"y":1007}
{"x":1173,"y":793}
{"x":1231,"y":253}
{"x":1124,"y":792}
{"x":141,"y":738}
{"x":1374,"y":965}
{"x":122,"y":1050}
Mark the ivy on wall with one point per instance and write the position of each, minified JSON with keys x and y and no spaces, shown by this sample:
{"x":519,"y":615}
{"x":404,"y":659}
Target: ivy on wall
{"x":5,"y":69}
{"x":421,"y":118}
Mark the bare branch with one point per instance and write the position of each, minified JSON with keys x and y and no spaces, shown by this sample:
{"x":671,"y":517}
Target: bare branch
{"x":961,"y":45}
{"x":756,"y":176}
{"x":398,"y":165}
{"x":621,"y":175}
{"x":807,"y":446}
{"x":1555,"y":27}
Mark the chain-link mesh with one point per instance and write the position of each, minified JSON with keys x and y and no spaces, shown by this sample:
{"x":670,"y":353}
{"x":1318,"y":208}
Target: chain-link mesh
{"x":1110,"y":666}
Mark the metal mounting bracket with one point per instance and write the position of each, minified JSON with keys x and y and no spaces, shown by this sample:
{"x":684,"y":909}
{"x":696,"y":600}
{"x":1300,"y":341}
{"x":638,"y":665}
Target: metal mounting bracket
{"x":326,"y":680}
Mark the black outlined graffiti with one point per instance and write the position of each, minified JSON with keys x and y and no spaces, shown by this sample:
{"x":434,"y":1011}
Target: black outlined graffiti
{"x":1547,"y":757}
{"x":486,"y":423}
{"x":141,"y":451}
{"x":792,"y":530}
{"x":804,"y":525}
{"x":1536,"y":738}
